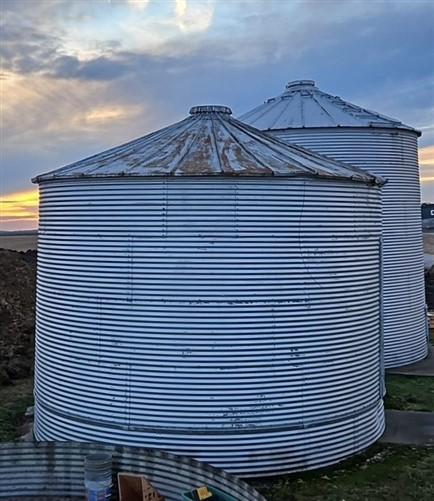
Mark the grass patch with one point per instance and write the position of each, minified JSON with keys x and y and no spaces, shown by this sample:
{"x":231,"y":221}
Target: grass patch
{"x":409,"y":393}
{"x":383,"y":473}
{"x":14,"y":400}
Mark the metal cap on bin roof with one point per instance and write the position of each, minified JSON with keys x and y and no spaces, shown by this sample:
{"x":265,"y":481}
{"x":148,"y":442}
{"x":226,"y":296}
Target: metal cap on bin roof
{"x":302,"y":104}
{"x":207,"y":143}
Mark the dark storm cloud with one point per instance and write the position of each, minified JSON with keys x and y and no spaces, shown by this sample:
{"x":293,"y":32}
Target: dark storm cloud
{"x":26,"y":52}
{"x":35,"y":52}
{"x":100,"y":68}
{"x":370,"y":50}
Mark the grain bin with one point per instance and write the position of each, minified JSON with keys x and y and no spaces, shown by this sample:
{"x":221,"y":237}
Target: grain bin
{"x":213,"y":292}
{"x":326,"y":124}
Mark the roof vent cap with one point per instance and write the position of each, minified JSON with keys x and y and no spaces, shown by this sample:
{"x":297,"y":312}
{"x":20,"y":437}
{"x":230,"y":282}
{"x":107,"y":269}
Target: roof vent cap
{"x":300,"y":85}
{"x":212,"y":108}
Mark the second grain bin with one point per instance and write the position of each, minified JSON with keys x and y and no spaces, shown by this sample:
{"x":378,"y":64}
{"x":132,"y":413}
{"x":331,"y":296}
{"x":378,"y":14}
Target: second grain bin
{"x":213,"y":292}
{"x":307,"y":116}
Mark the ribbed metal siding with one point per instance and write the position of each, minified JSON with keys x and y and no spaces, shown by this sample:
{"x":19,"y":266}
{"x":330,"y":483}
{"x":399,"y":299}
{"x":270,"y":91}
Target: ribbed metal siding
{"x":393,"y":155}
{"x":56,"y":469}
{"x":236,"y":321}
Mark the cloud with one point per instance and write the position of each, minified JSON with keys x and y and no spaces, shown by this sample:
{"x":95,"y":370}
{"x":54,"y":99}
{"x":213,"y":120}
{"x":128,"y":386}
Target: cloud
{"x":109,"y":114}
{"x":426,"y":163}
{"x":28,"y":52}
{"x":192,"y":17}
{"x":38,"y":53}
{"x":48,"y":123}
{"x":100,"y":68}
{"x":80,"y":77}
{"x":138,"y":4}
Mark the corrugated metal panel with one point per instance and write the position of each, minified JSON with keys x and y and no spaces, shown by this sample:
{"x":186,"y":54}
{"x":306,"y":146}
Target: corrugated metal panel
{"x":235,"y":321}
{"x":304,"y":105}
{"x":208,"y":143}
{"x":393,"y":155}
{"x":56,"y":469}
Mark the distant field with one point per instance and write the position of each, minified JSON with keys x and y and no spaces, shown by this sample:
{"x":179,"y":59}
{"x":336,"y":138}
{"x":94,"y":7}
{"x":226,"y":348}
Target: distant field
{"x":22,"y":241}
{"x":19,"y":242}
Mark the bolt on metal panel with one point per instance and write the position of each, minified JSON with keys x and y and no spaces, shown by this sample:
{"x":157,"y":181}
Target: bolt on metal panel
{"x":234,"y":320}
{"x":326,"y":124}
{"x":392,"y":155}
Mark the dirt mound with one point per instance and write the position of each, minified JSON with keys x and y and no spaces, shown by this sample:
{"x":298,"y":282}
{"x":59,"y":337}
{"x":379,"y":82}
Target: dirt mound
{"x":17,"y":313}
{"x":429,"y":288}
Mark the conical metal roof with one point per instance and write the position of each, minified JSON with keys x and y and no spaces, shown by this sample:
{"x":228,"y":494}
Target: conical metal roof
{"x":207,"y":143}
{"x":304,"y":105}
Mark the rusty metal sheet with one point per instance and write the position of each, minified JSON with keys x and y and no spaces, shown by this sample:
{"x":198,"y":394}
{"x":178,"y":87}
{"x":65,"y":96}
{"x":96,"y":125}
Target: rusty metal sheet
{"x":208,"y":143}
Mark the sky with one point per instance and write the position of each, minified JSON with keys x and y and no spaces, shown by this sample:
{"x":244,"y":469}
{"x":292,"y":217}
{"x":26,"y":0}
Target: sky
{"x":80,"y":76}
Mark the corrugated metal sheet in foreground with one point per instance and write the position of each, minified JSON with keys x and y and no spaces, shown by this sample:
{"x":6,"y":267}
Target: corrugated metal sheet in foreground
{"x":326,"y":124}
{"x":235,"y":320}
{"x":56,"y":469}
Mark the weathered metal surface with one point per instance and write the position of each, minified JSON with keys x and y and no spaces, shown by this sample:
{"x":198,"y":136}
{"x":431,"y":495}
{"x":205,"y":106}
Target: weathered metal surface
{"x":56,"y":469}
{"x":304,"y":105}
{"x":208,"y":143}
{"x":232,"y":320}
{"x":392,"y":154}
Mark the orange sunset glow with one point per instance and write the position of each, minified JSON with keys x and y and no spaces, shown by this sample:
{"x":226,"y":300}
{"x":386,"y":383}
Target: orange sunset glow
{"x":78,"y":77}
{"x":19,"y":210}
{"x":426,"y":156}
{"x":426,"y":162}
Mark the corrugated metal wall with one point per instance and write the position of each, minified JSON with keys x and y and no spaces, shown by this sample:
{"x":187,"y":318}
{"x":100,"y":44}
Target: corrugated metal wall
{"x":56,"y":469}
{"x":233,"y":320}
{"x":393,"y":155}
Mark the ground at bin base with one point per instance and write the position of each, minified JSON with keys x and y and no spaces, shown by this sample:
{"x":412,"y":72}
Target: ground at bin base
{"x":385,"y":472}
{"x":382,"y":473}
{"x":14,"y":401}
{"x":409,"y":393}
{"x":423,"y":368}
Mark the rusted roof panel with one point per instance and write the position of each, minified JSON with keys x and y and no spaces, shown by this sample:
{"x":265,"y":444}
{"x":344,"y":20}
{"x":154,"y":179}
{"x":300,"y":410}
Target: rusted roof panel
{"x":209,"y":142}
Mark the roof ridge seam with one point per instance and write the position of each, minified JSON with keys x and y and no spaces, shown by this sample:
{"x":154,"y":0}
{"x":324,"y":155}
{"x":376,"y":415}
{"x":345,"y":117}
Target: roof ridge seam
{"x":192,"y":118}
{"x":230,"y":121}
{"x":214,"y":139}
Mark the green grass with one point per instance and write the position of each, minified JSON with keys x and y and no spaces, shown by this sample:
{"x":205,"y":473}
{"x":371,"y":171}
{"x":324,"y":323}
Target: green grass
{"x":383,"y":473}
{"x":409,"y":393}
{"x":14,"y":400}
